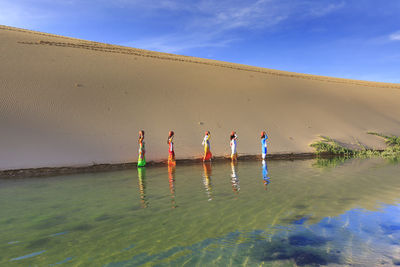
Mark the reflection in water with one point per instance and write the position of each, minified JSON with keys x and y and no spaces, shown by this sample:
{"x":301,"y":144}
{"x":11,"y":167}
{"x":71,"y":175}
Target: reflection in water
{"x":329,"y":163}
{"x":207,"y":179}
{"x":266,"y":178}
{"x":235,"y":178}
{"x":142,"y":186}
{"x":306,"y":218}
{"x":171,"y":179}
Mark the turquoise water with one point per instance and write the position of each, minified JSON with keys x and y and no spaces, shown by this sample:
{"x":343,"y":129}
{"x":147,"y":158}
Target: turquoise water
{"x":283,"y":213}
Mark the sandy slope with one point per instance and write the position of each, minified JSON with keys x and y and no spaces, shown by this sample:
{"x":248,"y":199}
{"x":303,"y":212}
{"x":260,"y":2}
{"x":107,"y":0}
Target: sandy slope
{"x":66,"y":102}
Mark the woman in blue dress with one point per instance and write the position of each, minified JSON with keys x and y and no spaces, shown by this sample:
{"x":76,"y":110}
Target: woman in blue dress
{"x":264,"y":138}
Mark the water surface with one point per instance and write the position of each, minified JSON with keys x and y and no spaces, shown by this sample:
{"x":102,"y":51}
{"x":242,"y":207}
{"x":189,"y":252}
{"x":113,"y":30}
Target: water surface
{"x":280,"y":213}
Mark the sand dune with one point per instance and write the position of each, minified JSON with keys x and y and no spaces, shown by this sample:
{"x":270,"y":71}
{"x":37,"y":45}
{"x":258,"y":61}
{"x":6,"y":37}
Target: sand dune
{"x":71,"y":102}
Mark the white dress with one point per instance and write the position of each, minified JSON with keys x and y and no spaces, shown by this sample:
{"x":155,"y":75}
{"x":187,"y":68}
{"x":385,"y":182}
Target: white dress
{"x":233,"y":146}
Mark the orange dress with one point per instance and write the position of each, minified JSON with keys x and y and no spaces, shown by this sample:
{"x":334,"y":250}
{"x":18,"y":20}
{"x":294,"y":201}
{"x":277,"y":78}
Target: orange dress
{"x":171,"y":152}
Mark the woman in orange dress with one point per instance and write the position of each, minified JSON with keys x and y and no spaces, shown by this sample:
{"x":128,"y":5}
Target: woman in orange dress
{"x":171,"y":152}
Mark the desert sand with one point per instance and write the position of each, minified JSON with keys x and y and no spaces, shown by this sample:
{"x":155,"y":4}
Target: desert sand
{"x":71,"y":102}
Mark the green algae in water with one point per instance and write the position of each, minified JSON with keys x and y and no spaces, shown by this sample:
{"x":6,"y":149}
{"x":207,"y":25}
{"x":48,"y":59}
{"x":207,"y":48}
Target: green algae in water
{"x":215,"y":215}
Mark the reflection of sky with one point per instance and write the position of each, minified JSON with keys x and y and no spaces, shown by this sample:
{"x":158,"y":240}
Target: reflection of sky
{"x":360,"y":237}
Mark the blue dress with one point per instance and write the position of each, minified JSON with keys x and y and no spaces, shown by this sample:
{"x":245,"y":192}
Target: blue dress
{"x":264,"y":145}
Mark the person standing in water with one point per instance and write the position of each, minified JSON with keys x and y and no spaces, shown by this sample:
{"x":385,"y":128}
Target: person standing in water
{"x":264,"y":138}
{"x":142,"y":158}
{"x":171,"y":156}
{"x":206,"y":144}
{"x":233,"y":142}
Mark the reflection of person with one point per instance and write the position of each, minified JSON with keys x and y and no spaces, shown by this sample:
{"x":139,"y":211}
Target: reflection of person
{"x":142,"y":186}
{"x":264,"y":138}
{"x":235,"y":179}
{"x":207,"y":179}
{"x":171,"y":155}
{"x":142,"y":150}
{"x":171,"y":179}
{"x":206,"y":144}
{"x":233,"y":143}
{"x":266,"y":178}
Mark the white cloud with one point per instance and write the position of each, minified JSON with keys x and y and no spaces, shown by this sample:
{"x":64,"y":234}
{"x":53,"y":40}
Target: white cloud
{"x":205,"y":14}
{"x":319,"y":11}
{"x":146,"y":5}
{"x":11,"y":14}
{"x":22,"y":14}
{"x":234,"y":14}
{"x":178,"y":44}
{"x":213,"y":23}
{"x":202,"y":23}
{"x":256,"y":14}
{"x":251,"y":15}
{"x":395,"y":36}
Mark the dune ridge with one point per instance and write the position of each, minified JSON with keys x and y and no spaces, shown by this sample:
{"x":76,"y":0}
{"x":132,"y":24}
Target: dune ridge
{"x":69,"y":102}
{"x":91,"y":45}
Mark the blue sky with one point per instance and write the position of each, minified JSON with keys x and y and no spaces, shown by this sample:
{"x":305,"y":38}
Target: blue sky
{"x":358,"y":39}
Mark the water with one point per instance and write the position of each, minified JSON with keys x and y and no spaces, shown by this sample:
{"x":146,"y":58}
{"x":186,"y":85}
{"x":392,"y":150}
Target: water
{"x":283,"y":213}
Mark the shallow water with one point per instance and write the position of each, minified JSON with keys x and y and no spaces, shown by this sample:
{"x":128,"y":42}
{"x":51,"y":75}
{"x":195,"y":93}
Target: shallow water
{"x":326,"y":212}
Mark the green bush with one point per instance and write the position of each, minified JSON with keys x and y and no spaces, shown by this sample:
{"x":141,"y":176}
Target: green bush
{"x":329,"y":146}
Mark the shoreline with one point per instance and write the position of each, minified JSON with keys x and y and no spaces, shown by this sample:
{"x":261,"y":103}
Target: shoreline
{"x":56,"y":171}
